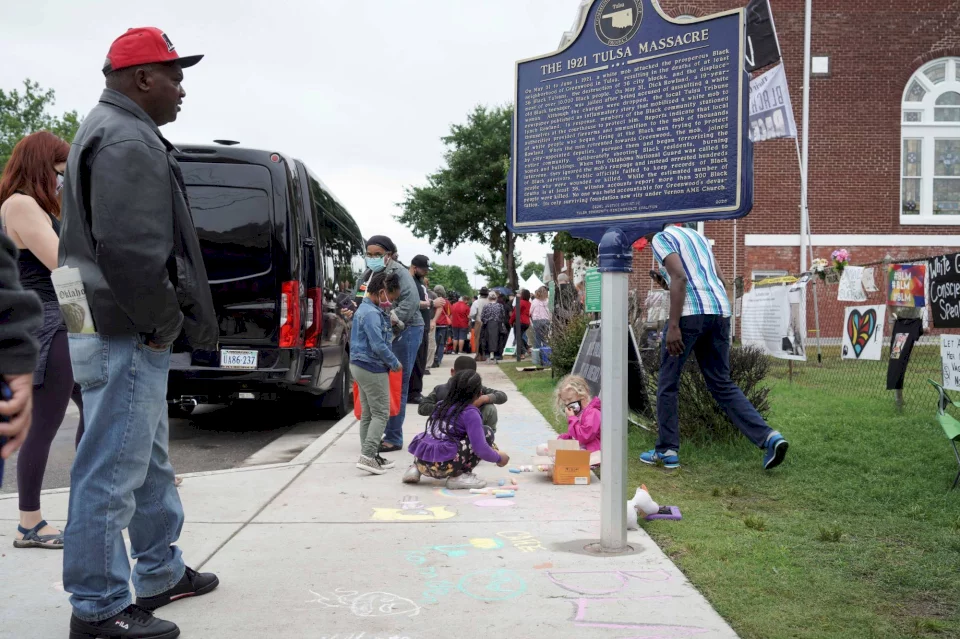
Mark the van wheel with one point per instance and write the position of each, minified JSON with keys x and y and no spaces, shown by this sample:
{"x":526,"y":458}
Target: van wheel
{"x":176,"y":411}
{"x":343,"y":404}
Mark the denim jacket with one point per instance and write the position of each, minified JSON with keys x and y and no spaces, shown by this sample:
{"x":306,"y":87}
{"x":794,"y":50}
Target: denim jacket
{"x":370,"y":339}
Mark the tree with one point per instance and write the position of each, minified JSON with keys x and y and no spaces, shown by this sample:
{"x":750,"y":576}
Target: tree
{"x":532,"y":268}
{"x":24,"y":113}
{"x":573,"y":247}
{"x":452,"y":278}
{"x":466,"y":200}
{"x":492,"y":270}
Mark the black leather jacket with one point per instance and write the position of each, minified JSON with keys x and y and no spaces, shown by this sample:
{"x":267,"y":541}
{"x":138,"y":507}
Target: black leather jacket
{"x":127,"y":227}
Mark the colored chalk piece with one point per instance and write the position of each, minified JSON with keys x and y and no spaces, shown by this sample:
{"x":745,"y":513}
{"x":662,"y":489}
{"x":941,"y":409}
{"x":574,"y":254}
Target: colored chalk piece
{"x":504,"y":495}
{"x":513,"y":481}
{"x":502,"y":482}
{"x":516,"y":470}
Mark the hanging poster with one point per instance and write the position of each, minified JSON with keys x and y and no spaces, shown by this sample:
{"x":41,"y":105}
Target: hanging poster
{"x":774,"y":318}
{"x":851,"y":285}
{"x":945,"y":290}
{"x":869,"y":280}
{"x":906,"y":332}
{"x":907,"y":285}
{"x":950,"y":359}
{"x":863,"y":332}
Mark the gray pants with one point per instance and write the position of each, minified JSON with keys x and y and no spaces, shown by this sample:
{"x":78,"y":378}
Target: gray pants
{"x":375,"y":405}
{"x":489,"y":415}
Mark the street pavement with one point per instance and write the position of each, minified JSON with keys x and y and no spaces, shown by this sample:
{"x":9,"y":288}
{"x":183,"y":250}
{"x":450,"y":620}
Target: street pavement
{"x":213,"y":438}
{"x":316,"y":548}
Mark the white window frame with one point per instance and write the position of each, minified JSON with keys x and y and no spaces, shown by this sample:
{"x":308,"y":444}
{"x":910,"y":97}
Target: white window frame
{"x":928,"y":131}
{"x":766,"y":274}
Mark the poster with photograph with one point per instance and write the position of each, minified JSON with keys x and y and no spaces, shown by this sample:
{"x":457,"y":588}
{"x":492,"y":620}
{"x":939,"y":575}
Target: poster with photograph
{"x":774,"y":318}
{"x":863,"y":332}
{"x":907,"y":285}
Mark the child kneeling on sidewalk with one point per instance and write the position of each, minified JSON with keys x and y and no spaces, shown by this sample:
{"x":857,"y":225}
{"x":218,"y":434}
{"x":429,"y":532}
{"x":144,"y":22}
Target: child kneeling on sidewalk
{"x":455,"y":439}
{"x":489,"y":397}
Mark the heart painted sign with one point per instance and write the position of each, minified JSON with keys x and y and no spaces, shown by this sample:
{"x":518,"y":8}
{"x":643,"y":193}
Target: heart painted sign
{"x":863,"y":332}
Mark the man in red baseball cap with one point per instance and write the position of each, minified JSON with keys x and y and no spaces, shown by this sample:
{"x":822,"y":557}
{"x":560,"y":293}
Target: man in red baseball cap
{"x":127,"y":228}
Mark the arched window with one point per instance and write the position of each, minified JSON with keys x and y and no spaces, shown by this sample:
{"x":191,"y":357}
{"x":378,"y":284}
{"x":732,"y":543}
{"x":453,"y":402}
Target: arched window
{"x":930,"y":163}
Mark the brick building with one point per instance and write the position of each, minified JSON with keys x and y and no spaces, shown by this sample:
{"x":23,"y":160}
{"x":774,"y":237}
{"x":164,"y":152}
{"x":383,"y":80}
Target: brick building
{"x":884,"y":139}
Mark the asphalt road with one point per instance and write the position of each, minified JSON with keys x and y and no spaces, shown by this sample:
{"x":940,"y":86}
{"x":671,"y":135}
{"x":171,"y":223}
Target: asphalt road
{"x":213,"y":438}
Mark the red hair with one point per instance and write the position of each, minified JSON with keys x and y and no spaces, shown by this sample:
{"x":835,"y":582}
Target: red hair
{"x":30,"y":170}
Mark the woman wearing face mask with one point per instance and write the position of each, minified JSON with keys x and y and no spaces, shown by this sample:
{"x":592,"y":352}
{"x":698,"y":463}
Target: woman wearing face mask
{"x":408,"y":327}
{"x":371,"y":359}
{"x":30,"y":216}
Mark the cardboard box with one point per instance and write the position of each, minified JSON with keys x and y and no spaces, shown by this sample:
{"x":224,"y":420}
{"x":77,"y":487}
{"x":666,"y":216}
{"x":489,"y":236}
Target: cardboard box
{"x":572,"y":468}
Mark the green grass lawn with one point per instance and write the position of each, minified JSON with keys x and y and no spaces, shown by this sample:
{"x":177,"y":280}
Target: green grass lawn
{"x":855,"y":535}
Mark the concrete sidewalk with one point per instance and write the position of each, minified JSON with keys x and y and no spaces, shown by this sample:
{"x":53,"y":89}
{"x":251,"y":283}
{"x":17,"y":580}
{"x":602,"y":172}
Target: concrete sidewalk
{"x":316,"y":548}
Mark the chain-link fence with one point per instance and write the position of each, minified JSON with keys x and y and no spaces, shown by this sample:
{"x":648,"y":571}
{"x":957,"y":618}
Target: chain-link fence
{"x":824,"y":366}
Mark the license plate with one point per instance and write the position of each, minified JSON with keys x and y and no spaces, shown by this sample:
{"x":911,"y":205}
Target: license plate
{"x":244,"y":360}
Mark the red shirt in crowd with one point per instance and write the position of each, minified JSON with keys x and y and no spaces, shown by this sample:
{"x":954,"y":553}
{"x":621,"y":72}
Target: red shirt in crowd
{"x":524,"y":313}
{"x":443,"y":319}
{"x":461,"y":315}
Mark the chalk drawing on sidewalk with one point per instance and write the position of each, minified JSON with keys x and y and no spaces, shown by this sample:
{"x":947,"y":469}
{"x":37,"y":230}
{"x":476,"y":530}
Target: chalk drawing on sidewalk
{"x":522,"y":541}
{"x":621,"y":600}
{"x":603,"y":582}
{"x":631,"y":605}
{"x":361,"y":635}
{"x":368,"y":604}
{"x":492,"y":584}
{"x":494,"y":503}
{"x":454,"y":494}
{"x":434,"y":513}
{"x":544,"y":566}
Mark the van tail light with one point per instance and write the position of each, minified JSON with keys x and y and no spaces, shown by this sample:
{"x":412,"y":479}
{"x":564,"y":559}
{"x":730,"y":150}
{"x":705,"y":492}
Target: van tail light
{"x":314,"y":317}
{"x":289,"y":314}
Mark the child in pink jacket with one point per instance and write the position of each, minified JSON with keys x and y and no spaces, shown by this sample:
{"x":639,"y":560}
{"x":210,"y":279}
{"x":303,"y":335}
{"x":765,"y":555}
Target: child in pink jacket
{"x":582,"y":411}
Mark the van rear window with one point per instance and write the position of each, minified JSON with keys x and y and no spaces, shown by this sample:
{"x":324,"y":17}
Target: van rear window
{"x":231,"y":207}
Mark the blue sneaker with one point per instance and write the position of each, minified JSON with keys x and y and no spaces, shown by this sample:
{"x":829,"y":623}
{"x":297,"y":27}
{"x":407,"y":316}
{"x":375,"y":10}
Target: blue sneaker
{"x":670,"y":458}
{"x":776,"y":451}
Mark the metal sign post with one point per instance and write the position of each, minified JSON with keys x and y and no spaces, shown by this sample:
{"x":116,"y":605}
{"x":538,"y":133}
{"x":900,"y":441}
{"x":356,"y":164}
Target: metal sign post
{"x":616,"y":258}
{"x":638,"y":121}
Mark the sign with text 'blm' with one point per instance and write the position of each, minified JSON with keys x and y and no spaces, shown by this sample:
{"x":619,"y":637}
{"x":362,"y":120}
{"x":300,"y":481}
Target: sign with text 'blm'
{"x":639,"y":121}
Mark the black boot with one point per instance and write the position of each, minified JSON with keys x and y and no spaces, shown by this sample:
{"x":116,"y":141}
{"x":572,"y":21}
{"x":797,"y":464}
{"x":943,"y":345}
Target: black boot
{"x":133,"y":622}
{"x":192,"y":584}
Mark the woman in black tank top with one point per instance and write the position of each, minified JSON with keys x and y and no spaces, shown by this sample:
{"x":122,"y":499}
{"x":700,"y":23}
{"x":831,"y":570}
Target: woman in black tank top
{"x":29,"y":215}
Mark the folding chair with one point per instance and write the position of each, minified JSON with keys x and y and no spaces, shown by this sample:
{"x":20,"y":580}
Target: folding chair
{"x":950,"y":425}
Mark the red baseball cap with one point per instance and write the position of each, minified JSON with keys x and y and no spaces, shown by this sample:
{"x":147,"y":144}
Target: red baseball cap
{"x":144,"y":45}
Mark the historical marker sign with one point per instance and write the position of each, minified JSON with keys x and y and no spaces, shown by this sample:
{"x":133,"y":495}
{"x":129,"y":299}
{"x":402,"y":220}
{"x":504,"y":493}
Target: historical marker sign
{"x":639,"y":121}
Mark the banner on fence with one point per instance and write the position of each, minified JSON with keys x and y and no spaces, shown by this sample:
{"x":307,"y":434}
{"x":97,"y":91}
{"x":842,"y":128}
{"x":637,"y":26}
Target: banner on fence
{"x":907,"y":285}
{"x":863,"y":332}
{"x":945,"y":290}
{"x":774,"y":318}
{"x":950,"y":359}
{"x":851,"y":285}
{"x":869,"y":280}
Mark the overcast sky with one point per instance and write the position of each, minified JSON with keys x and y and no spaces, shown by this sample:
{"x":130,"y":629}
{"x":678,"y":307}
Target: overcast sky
{"x":361,"y":91}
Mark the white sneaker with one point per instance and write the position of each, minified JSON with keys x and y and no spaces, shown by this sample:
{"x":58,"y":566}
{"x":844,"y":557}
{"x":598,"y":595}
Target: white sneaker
{"x":370,"y":465}
{"x":465,"y":482}
{"x":412,"y":476}
{"x":385,"y":463}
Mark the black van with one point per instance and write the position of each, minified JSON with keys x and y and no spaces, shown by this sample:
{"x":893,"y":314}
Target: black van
{"x":279,"y":248}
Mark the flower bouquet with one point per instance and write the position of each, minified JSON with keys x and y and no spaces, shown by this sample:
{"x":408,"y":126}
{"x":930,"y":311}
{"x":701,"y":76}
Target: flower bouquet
{"x":841,"y":257}
{"x":820,"y":268}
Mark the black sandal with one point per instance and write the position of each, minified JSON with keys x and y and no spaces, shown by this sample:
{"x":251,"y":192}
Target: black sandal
{"x":389,"y":448}
{"x":33,"y":539}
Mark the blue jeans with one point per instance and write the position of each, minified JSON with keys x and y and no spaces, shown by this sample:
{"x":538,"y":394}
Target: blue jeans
{"x":443,"y":332}
{"x":405,"y":347}
{"x":708,"y":337}
{"x":121,"y":478}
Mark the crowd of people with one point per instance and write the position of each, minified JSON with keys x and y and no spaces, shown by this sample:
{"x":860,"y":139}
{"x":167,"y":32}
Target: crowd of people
{"x":115,"y":197}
